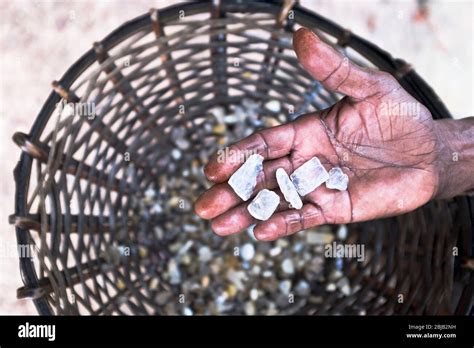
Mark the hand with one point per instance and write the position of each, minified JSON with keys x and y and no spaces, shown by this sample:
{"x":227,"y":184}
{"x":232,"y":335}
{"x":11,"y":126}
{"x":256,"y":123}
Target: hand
{"x":382,"y":138}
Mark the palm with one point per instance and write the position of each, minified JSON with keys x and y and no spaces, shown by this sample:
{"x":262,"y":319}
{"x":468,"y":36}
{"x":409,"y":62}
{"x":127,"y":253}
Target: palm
{"x":387,"y":159}
{"x":388,"y":155}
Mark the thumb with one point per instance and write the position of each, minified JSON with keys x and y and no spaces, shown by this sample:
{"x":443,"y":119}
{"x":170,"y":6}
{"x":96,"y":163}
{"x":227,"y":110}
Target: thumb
{"x":333,"y":70}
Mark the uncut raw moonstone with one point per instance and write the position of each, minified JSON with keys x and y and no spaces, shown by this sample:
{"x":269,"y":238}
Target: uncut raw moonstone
{"x":309,"y":176}
{"x":288,"y":189}
{"x":337,"y":179}
{"x":244,"y":180}
{"x":264,"y":204}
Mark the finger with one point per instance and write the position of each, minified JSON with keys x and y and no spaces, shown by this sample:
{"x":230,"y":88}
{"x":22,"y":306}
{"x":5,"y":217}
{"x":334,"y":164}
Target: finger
{"x":238,"y":218}
{"x":332,"y":69}
{"x":221,"y":197}
{"x":324,"y":206}
{"x":215,"y":201}
{"x":271,"y":143}
{"x":289,"y":222}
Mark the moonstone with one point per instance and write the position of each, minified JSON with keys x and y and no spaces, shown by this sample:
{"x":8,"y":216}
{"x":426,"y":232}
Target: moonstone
{"x":264,"y":204}
{"x":309,"y":176}
{"x":337,"y":179}
{"x":244,"y":180}
{"x":288,"y":189}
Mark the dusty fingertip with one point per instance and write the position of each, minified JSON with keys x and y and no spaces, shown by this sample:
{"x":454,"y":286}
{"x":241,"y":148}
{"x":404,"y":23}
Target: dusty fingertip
{"x":266,"y":232}
{"x":218,"y":228}
{"x":304,"y":33}
{"x":210,"y":173}
{"x":201,"y":211}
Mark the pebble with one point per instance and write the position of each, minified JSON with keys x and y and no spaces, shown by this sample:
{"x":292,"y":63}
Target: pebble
{"x":187,"y":311}
{"x":183,"y":256}
{"x":250,"y":308}
{"x":250,"y":232}
{"x":205,"y":254}
{"x":254,"y":294}
{"x":337,"y":179}
{"x":273,"y":106}
{"x":288,"y":189}
{"x":303,"y":288}
{"x":157,"y":209}
{"x":244,"y":179}
{"x":275,"y":251}
{"x":285,"y":286}
{"x":287,"y":266}
{"x":342,"y":232}
{"x":247,"y":252}
{"x":343,"y":285}
{"x":176,"y":154}
{"x":264,"y":205}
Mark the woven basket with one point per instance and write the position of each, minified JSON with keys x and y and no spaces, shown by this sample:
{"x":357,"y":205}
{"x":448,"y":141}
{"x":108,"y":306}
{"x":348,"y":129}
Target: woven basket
{"x":80,"y":180}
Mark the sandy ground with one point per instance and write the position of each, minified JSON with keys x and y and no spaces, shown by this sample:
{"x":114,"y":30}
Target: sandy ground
{"x":41,"y":39}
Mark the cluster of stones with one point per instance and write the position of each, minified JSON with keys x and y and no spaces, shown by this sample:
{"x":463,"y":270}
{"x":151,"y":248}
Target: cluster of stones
{"x":301,"y":182}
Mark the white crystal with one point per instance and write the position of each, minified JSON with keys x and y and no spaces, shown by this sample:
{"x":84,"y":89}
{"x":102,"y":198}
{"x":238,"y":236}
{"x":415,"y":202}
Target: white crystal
{"x":309,"y":176}
{"x":337,"y":179}
{"x":288,"y":189}
{"x":264,"y":204}
{"x":247,"y":252}
{"x":273,"y":106}
{"x":244,"y":180}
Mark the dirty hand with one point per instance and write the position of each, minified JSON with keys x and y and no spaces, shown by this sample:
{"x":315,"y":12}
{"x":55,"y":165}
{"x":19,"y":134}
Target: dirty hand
{"x":391,"y":157}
